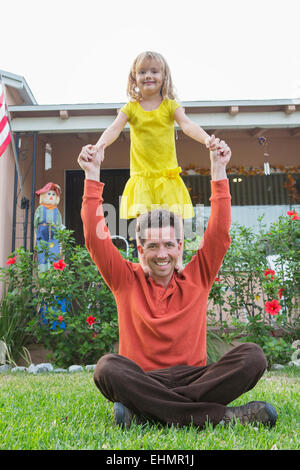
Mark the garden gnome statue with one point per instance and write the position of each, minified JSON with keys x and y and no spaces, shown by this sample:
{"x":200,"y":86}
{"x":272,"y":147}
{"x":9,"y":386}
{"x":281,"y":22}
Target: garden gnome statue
{"x":46,"y":217}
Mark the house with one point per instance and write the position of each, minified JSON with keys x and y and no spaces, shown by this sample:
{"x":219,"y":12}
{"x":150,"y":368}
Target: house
{"x":48,"y":139}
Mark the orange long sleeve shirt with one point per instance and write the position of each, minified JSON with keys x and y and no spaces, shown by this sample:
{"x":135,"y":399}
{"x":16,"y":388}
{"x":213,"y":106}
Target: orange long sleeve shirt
{"x":159,"y":328}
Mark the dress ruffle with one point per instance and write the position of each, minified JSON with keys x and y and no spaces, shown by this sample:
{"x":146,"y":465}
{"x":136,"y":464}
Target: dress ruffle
{"x":148,"y":190}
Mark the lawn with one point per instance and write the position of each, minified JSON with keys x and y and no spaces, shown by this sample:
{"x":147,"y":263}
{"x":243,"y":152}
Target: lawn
{"x":66,"y":412}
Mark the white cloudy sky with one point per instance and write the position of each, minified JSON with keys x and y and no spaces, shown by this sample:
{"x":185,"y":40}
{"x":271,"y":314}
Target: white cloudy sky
{"x":72,"y":51}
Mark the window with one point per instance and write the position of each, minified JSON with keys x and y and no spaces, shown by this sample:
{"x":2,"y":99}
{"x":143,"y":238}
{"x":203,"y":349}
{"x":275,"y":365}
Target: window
{"x":251,"y":196}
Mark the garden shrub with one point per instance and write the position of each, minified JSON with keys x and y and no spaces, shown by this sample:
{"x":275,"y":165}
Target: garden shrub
{"x":260,"y":300}
{"x":68,"y":308}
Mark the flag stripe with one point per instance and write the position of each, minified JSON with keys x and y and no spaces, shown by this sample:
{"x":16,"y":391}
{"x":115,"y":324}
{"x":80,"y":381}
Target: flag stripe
{"x":3,"y":123}
{"x":5,"y":135}
{"x":5,"y":144}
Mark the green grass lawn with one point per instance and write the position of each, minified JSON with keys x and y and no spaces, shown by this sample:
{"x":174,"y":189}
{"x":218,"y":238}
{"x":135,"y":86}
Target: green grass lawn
{"x":66,"y":412}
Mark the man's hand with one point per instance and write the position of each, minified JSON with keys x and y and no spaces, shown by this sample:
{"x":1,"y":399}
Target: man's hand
{"x":219,"y":160}
{"x":90,"y":159}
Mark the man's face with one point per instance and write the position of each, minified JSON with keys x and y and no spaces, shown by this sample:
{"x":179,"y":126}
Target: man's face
{"x":160,"y":252}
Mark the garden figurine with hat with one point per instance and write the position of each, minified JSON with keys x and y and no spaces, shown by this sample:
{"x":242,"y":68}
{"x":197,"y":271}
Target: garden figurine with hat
{"x":47,"y":216}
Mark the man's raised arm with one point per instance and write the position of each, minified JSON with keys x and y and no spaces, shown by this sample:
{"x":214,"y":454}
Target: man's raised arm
{"x":105,"y":255}
{"x":216,"y":239}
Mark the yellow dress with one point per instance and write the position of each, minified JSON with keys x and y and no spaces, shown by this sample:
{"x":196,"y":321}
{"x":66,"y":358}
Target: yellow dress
{"x":154,"y":172}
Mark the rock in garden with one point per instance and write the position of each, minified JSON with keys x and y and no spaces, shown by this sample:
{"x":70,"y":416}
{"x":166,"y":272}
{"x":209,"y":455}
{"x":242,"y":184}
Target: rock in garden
{"x":277,"y":367}
{"x":90,"y":367}
{"x":31,"y":369}
{"x":75,"y":368}
{"x":5,"y":368}
{"x":295,"y":363}
{"x":40,"y":368}
{"x":18,"y":369}
{"x":44,"y":367}
{"x":59,"y":370}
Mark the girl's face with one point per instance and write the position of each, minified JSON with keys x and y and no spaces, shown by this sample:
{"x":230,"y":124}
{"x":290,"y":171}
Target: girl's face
{"x":149,"y":77}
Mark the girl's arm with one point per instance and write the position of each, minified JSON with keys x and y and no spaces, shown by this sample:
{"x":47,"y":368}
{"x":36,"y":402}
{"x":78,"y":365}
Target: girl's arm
{"x":113,"y":131}
{"x":107,"y":138}
{"x":189,"y":127}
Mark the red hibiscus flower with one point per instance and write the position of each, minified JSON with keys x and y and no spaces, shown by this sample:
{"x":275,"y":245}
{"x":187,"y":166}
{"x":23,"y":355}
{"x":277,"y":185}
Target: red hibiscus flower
{"x":217,"y":279}
{"x":269,"y":272}
{"x":60,"y":318}
{"x":280,"y":292}
{"x":273,"y":307}
{"x":60,"y":265}
{"x":91,"y":320}
{"x":293,"y":214}
{"x":11,"y":260}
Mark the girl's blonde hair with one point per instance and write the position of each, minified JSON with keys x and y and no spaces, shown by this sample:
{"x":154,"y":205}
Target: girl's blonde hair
{"x":167,"y":90}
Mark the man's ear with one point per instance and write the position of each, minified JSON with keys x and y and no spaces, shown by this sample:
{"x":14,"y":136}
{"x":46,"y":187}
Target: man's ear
{"x":140,"y":249}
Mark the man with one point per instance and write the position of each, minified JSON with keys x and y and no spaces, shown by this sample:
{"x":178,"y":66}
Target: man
{"x":160,"y":372}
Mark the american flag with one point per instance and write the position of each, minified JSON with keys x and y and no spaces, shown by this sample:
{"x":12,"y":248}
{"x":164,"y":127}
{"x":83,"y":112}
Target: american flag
{"x":5,"y":135}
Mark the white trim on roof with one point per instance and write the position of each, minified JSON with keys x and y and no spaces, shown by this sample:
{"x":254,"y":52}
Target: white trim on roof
{"x":245,"y":120}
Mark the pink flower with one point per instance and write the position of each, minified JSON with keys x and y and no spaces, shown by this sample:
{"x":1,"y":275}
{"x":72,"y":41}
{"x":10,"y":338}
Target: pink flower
{"x":60,"y":318}
{"x":273,"y":307}
{"x":269,"y":272}
{"x":60,"y":265}
{"x":11,"y":260}
{"x":91,"y":320}
{"x":293,"y":214}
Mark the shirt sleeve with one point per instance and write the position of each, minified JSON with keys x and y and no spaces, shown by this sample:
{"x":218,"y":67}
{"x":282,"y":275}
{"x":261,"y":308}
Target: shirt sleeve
{"x":173,"y":106}
{"x":216,"y":240}
{"x":111,"y":265}
{"x":127,"y":109}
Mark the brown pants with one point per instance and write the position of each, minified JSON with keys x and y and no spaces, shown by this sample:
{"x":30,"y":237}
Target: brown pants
{"x":181,"y":394}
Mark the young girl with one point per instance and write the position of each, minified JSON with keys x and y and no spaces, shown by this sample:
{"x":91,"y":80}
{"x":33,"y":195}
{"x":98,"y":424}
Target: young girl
{"x":154,"y":172}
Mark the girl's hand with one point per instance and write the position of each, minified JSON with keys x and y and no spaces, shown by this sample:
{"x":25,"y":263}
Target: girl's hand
{"x":90,"y":159}
{"x":88,"y":152}
{"x":212,"y":143}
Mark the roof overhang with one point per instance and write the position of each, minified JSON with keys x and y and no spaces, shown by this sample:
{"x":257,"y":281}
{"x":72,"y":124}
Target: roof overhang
{"x":19,"y":83}
{"x":96,"y":117}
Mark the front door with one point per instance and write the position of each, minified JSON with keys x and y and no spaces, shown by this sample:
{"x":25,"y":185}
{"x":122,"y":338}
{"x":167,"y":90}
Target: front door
{"x":114,"y":181}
